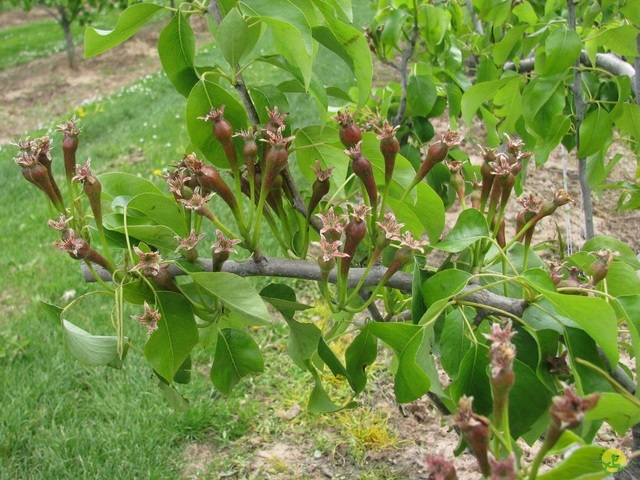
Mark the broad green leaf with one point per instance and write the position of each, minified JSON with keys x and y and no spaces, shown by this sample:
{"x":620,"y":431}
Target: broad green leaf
{"x":290,"y":31}
{"x":314,"y":143}
{"x":433,"y":23}
{"x":562,"y":48}
{"x":617,"y":410}
{"x":622,"y":279}
{"x":542,"y":100}
{"x":479,"y":94}
{"x":303,"y":341}
{"x":444,"y":285}
{"x":350,"y":45}
{"x":315,"y":88}
{"x":596,"y":317}
{"x":411,"y":382}
{"x":283,"y":298}
{"x":183,"y":375}
{"x":557,"y":127}
{"x":631,"y":306}
{"x":629,"y":120}
{"x":604,"y":242}
{"x":525,"y":13}
{"x":237,"y":355}
{"x":137,"y":292}
{"x":119,"y":184}
{"x":130,"y":21}
{"x":453,"y":343}
{"x":470,"y":227}
{"x":328,"y":356}
{"x":237,"y":294}
{"x":508,"y":102}
{"x":620,"y":40}
{"x":237,"y":36}
{"x":177,"y":48}
{"x":362,"y":352}
{"x":527,"y":390}
{"x":177,"y":334}
{"x":472,"y":380}
{"x":205,"y":95}
{"x":268,"y":96}
{"x":161,"y":209}
{"x":143,"y":230}
{"x":421,"y":95}
{"x":92,"y":350}
{"x":319,"y":401}
{"x":173,"y":397}
{"x":631,"y":11}
{"x":502,"y":51}
{"x":585,"y":463}
{"x":595,"y":131}
{"x":581,"y":345}
{"x":52,"y":311}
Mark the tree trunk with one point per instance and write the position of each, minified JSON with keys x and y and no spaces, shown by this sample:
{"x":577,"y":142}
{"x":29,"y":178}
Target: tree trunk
{"x":65,"y":23}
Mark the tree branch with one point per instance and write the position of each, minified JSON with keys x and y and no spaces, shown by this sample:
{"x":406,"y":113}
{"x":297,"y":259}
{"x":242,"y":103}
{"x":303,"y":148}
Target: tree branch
{"x":404,"y":74}
{"x":606,"y":61}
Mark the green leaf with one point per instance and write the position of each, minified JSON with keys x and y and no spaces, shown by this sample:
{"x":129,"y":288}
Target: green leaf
{"x":237,"y":36}
{"x":585,"y":463}
{"x":444,"y":285}
{"x":237,"y":355}
{"x":290,"y":30}
{"x":527,"y":390}
{"x":617,"y":410}
{"x":629,"y":120}
{"x":595,"y":131}
{"x":173,"y":397}
{"x":118,"y":184}
{"x":434,"y":23}
{"x":130,"y":21}
{"x":52,"y":311}
{"x":594,"y":315}
{"x":161,"y":209}
{"x":177,"y":48}
{"x":141,"y":229}
{"x":631,"y":306}
{"x":631,"y":11}
{"x":303,"y":342}
{"x":620,"y":40}
{"x":421,"y":95}
{"x":205,"y":95}
{"x":453,"y":343}
{"x":542,"y":100}
{"x":411,"y":382}
{"x":480,"y":93}
{"x":473,"y":380}
{"x":92,"y":350}
{"x":604,"y":242}
{"x":237,"y":294}
{"x":319,"y":401}
{"x":328,"y":356}
{"x":470,"y":227}
{"x":177,"y":334}
{"x":562,"y":48}
{"x":502,"y":51}
{"x":362,"y":352}
{"x":350,"y":45}
{"x":283,"y":298}
{"x":508,"y":102}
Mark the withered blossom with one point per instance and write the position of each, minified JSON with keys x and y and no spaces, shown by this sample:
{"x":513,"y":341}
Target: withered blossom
{"x":329,"y":250}
{"x":322,"y":175}
{"x":148,"y":264}
{"x":197,"y":202}
{"x":439,"y":468}
{"x":62,"y":224}
{"x":69,"y":127}
{"x":568,"y":411}
{"x":503,"y":469}
{"x":149,"y":319}
{"x":224,"y":244}
{"x":359,"y":212}
{"x":190,"y":242}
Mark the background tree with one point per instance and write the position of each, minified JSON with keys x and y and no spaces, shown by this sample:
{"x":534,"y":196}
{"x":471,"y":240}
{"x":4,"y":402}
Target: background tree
{"x":68,"y":12}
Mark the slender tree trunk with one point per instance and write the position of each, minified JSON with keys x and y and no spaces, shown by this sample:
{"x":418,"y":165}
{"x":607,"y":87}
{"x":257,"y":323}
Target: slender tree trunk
{"x":587,"y":206}
{"x":65,"y":23}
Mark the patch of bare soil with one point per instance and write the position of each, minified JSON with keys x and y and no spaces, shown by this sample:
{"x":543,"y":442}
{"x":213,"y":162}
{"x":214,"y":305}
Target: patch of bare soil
{"x":17,"y":17}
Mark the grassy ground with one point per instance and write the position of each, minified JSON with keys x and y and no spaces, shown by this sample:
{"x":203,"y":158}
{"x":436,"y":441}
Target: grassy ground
{"x":62,"y":420}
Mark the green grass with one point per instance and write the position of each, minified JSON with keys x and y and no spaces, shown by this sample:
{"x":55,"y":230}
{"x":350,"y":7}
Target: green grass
{"x":60,"y":420}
